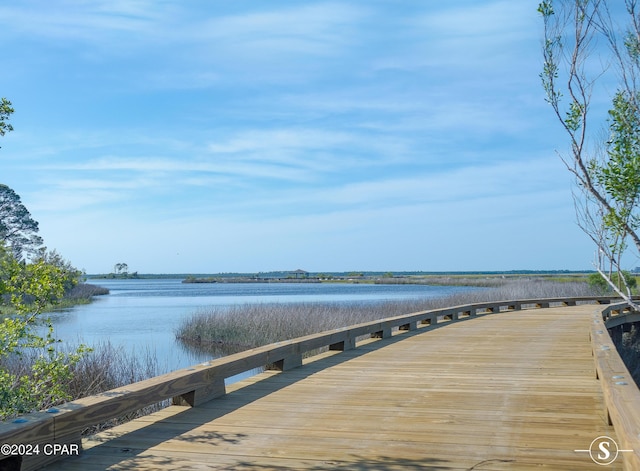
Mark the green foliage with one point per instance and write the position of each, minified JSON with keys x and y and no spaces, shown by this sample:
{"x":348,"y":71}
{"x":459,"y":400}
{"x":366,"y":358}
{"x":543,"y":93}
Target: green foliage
{"x":545,"y":8}
{"x":121,"y":269}
{"x":30,"y":288}
{"x":618,"y":176}
{"x":600,"y":284}
{"x":552,"y":45}
{"x":574,"y":116}
{"x":632,"y":45}
{"x":70,"y":274}
{"x":18,"y":230}
{"x":577,"y":36}
{"x":5,"y":111}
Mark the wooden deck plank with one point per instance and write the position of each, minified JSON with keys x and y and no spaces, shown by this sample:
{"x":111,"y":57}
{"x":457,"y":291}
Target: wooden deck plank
{"x":501,"y":392}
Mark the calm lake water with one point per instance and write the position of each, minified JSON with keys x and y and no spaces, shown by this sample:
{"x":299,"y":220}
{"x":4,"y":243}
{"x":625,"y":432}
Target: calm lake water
{"x":142,"y":315}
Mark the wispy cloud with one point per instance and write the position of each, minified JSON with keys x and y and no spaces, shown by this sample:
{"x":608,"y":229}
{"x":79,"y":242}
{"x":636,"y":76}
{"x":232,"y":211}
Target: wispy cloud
{"x":475,"y":20}
{"x":469,"y":42}
{"x":321,"y":28}
{"x":92,"y":21}
{"x":276,"y":128}
{"x":296,"y":153}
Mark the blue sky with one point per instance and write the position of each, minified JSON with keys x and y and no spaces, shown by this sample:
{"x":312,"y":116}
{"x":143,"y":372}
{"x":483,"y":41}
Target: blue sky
{"x":210,"y":136}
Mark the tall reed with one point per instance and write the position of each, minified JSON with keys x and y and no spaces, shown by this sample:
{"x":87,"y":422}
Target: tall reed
{"x":109,"y":367}
{"x":237,"y":327}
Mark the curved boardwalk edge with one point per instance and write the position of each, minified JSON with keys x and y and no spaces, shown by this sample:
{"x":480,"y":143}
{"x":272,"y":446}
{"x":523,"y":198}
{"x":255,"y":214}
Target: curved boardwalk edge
{"x":197,"y":385}
{"x":621,"y":395}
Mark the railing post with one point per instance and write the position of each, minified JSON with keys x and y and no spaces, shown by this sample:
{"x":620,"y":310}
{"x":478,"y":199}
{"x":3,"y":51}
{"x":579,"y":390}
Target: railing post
{"x":467,"y":313}
{"x":38,"y":428}
{"x":290,"y":362}
{"x":382,"y":334}
{"x":199,"y":396}
{"x":451,"y":315}
{"x":347,"y":344}
{"x":431,"y":320}
{"x":413,"y":325}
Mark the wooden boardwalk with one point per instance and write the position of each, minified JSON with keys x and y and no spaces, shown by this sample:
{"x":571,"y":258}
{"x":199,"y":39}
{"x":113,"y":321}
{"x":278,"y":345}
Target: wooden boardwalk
{"x":512,"y":391}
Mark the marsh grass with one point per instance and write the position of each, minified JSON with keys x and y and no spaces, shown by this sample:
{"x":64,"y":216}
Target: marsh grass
{"x":106,"y":367}
{"x":222,"y":329}
{"x":85,"y":291}
{"x":446,"y":280}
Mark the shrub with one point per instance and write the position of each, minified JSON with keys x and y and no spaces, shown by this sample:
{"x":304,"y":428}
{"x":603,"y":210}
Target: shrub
{"x":598,"y":283}
{"x":105,"y":367}
{"x":31,"y":287}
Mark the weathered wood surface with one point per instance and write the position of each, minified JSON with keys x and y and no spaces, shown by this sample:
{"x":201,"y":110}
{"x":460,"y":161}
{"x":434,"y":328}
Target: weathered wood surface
{"x":513,"y":391}
{"x":621,"y":397}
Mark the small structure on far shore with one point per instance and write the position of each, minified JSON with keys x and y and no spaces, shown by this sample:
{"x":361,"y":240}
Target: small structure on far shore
{"x":300,"y":274}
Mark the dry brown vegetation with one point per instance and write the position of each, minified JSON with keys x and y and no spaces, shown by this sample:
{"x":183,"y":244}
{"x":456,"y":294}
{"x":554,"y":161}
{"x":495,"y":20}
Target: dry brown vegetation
{"x":226,"y":329}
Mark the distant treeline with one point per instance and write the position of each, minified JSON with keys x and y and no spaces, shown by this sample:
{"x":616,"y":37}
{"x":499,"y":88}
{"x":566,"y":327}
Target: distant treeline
{"x":343,"y":274}
{"x":191,"y":279}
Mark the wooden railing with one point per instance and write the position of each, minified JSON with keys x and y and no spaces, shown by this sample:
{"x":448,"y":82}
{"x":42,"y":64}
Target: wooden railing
{"x":621,"y":395}
{"x":201,"y":383}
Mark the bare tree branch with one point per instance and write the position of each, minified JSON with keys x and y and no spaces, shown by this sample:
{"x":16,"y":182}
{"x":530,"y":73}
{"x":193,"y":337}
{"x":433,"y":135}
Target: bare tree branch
{"x":606,"y":167}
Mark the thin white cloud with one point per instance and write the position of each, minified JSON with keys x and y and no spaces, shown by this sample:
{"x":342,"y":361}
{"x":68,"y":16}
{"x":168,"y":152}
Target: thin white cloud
{"x":469,"y":43}
{"x":482,"y":19}
{"x":313,"y":149}
{"x":282,"y":153}
{"x":442,"y":188}
{"x":168,"y":168}
{"x":317,"y":28}
{"x":281,"y":139}
{"x":447,"y":186}
{"x":81,"y":201}
{"x":90,"y":21}
{"x":124,"y":25}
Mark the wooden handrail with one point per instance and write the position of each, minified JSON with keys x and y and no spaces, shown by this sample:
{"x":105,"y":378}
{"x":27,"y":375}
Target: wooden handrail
{"x":621,"y":395}
{"x":204,"y":382}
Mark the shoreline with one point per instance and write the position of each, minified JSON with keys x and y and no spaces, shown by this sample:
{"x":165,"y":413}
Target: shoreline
{"x":480,"y":281}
